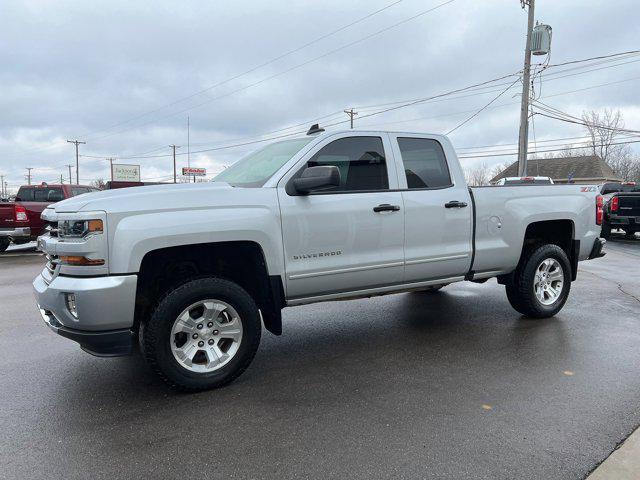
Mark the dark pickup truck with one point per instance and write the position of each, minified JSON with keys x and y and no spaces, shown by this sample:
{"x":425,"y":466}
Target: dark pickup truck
{"x":20,"y":220}
{"x":621,"y":208}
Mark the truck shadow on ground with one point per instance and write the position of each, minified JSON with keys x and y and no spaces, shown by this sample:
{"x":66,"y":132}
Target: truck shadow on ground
{"x":370,"y":346}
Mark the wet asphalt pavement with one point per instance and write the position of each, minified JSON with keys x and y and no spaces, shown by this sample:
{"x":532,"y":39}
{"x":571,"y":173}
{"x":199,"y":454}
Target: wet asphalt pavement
{"x":451,"y":385}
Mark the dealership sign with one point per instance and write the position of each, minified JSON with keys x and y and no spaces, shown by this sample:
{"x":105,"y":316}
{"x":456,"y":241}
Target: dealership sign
{"x":194,"y":172}
{"x":125,"y":173}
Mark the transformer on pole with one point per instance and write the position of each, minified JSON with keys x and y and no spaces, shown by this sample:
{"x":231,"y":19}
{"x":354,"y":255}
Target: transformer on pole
{"x":538,"y":43}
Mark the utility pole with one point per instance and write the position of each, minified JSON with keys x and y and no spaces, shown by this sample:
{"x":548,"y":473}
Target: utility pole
{"x":69,"y":167}
{"x":61,"y":179}
{"x":352,"y":113}
{"x":175,"y":180}
{"x":2,"y":185}
{"x":76,"y":143}
{"x":111,"y":159}
{"x":29,"y":175}
{"x":523,"y":139}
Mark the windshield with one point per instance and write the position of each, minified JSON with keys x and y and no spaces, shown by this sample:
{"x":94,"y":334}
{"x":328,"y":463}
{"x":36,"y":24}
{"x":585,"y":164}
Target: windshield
{"x":256,"y":168}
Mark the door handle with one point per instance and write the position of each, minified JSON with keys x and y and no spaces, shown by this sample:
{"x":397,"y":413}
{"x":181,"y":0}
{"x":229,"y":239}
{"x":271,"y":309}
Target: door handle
{"x":386,"y":207}
{"x":455,"y":204}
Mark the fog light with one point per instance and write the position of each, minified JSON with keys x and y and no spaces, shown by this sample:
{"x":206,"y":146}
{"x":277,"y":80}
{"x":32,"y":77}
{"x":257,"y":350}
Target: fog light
{"x":71,"y":304}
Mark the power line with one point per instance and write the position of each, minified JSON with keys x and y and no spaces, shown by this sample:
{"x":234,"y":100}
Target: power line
{"x":483,"y":108}
{"x":290,"y":69}
{"x":253,"y":69}
{"x":539,"y":151}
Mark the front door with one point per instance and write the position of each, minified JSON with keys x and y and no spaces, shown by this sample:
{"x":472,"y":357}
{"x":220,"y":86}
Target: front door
{"x":350,"y":237}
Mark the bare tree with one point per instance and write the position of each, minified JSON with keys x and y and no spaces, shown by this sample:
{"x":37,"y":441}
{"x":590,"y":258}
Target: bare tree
{"x":99,"y":183}
{"x":496,"y":170}
{"x":477,"y":176}
{"x":605,"y":130}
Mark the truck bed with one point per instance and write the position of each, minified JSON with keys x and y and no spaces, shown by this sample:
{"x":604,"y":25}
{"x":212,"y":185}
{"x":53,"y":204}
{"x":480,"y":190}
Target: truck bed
{"x":502,"y":214}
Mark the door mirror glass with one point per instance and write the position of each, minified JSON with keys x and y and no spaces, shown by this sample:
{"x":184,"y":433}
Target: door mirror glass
{"x":317,"y":178}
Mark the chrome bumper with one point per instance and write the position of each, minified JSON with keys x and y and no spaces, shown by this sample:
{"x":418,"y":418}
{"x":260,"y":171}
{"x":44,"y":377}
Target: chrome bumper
{"x":102,"y":303}
{"x":20,"y":232}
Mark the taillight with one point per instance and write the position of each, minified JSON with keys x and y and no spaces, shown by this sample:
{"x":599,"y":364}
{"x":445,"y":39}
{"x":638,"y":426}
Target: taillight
{"x":21,"y":213}
{"x":599,"y":211}
{"x":615,"y":203}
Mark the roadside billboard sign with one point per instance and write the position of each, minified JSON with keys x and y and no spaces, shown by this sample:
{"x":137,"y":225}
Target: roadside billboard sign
{"x":194,"y":172}
{"x":125,"y":173}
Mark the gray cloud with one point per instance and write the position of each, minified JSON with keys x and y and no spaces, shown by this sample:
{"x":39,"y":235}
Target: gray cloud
{"x":72,"y":69}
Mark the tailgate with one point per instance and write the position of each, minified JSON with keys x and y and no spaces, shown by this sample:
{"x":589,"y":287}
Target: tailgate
{"x":629,"y":204}
{"x":7,"y":219}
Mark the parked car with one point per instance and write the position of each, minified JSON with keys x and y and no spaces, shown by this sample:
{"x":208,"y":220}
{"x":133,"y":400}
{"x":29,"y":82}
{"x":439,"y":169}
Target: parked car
{"x":191,"y":271}
{"x":621,"y":206}
{"x":20,"y":220}
{"x":525,"y":181}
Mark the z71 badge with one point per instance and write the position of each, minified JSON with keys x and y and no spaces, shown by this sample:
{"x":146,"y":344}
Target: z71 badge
{"x":306,"y":256}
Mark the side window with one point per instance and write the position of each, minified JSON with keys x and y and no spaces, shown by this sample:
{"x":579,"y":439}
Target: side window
{"x":424,"y":163}
{"x":79,"y":191}
{"x":361,"y":162}
{"x":48,"y":195}
{"x":25,"y":195}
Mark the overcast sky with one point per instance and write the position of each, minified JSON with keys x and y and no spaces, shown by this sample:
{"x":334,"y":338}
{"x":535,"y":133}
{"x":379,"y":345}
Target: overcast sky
{"x":123,"y":76}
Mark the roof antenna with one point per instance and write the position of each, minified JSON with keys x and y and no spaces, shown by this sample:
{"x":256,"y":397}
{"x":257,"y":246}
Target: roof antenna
{"x":315,"y":128}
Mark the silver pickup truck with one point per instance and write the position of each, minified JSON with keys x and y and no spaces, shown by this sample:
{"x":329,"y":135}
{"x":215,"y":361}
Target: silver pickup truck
{"x":191,"y":272}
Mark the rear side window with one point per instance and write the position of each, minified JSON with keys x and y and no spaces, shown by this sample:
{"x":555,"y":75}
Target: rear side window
{"x":79,"y":190}
{"x":361,"y":161}
{"x":48,"y":194}
{"x":25,"y":194}
{"x":424,"y":163}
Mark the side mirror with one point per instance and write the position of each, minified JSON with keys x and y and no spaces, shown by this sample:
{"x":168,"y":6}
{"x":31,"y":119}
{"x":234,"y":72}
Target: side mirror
{"x":317,"y":178}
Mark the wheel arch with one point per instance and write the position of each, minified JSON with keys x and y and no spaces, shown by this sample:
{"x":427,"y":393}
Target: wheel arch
{"x":242,"y":262}
{"x":560,"y":232}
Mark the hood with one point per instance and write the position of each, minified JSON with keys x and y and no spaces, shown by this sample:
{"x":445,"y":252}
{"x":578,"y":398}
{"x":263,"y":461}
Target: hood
{"x":158,"y":197}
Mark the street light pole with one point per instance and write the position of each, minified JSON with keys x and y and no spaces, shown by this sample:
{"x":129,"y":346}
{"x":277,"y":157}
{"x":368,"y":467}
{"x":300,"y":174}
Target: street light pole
{"x":523,"y":139}
{"x":76,"y":143}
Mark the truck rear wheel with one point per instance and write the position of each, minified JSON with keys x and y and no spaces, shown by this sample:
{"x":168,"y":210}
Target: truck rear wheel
{"x":541,"y":282}
{"x":202,"y":335}
{"x":4,"y":243}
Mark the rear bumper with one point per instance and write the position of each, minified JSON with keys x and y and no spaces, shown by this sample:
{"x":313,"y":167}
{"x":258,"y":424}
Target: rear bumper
{"x":597,"y":249}
{"x":631,"y":221}
{"x":110,"y":343}
{"x":18,"y":232}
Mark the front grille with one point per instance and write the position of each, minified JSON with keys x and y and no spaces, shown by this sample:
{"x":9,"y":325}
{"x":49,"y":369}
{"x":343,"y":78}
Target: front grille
{"x":52,"y":262}
{"x":51,"y":228}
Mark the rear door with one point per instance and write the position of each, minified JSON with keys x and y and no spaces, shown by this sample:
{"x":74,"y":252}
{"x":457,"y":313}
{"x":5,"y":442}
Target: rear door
{"x":437,"y":210}
{"x":341,"y":240}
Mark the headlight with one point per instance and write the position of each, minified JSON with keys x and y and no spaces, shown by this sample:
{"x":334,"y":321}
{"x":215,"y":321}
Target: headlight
{"x":79,"y":228}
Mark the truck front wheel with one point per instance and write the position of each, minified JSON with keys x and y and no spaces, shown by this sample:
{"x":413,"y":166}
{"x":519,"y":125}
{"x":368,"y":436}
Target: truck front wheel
{"x":202,"y":335}
{"x":541,"y":282}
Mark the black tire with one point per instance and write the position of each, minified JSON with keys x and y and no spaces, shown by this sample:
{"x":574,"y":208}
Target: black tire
{"x":155,"y":334}
{"x":521,"y":293}
{"x":629,"y":233}
{"x":606,"y":231}
{"x":4,"y":243}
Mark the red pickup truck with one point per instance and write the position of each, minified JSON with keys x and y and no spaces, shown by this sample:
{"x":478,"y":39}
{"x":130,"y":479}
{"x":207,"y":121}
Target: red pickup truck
{"x":20,"y":220}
